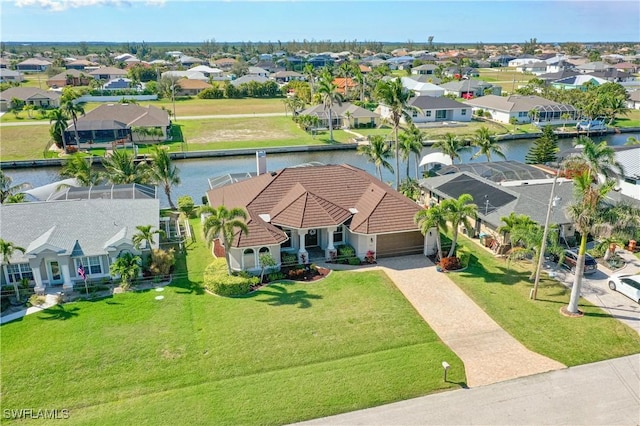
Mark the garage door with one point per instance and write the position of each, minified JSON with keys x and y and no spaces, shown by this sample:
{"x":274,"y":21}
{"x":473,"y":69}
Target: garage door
{"x":400,"y":244}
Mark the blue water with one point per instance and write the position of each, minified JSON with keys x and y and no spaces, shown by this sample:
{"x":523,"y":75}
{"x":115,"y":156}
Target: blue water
{"x":194,"y":173}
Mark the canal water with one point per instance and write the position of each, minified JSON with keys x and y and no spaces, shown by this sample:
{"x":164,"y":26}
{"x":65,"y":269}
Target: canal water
{"x":195,"y":173}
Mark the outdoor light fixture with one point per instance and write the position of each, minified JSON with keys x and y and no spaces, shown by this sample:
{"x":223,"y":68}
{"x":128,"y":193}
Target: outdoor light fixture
{"x":446,"y":367}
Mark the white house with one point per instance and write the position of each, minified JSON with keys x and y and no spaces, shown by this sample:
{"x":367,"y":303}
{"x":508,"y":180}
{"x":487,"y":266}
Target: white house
{"x":422,"y":89}
{"x":435,"y":109}
{"x":503,"y":109}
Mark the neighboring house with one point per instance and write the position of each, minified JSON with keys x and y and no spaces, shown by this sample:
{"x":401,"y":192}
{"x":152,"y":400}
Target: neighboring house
{"x":191,"y":75}
{"x":422,"y":89}
{"x":344,"y":115}
{"x":560,"y":65}
{"x":309,"y":211}
{"x":257,"y":71}
{"x":108,"y":73}
{"x":188,"y":87}
{"x":627,"y":67}
{"x":345,"y":85}
{"x":248,"y":78}
{"x":117,"y":122}
{"x":499,"y":171}
{"x":613,"y":75}
{"x":459,"y":72}
{"x":287,"y":76}
{"x":33,"y":65}
{"x":69,"y":77}
{"x":426,"y":69}
{"x":123,"y":57}
{"x":537,"y":68}
{"x":550,"y":77}
{"x":470,"y":88}
{"x":518,"y":62}
{"x":119,"y":84}
{"x":320,"y":61}
{"x":224,"y":63}
{"x":80,"y":65}
{"x":634,"y":100}
{"x":4,"y":62}
{"x":502,"y":109}
{"x":434,"y":109}
{"x":10,"y":76}
{"x":210,"y":73}
{"x":593,"y":66}
{"x":59,"y":236}
{"x":578,"y":82}
{"x":189,"y":61}
{"x":30,"y":96}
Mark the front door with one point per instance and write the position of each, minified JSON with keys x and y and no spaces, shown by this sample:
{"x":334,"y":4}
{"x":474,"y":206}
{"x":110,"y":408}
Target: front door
{"x":55,"y":274}
{"x":311,"y":238}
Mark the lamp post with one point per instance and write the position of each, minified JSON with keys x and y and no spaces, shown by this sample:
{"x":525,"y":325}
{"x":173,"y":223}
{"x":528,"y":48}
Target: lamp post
{"x":552,"y":202}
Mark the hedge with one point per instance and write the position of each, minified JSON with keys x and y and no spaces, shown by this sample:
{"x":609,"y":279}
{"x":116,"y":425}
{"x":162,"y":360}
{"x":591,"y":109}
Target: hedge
{"x":218,"y":281}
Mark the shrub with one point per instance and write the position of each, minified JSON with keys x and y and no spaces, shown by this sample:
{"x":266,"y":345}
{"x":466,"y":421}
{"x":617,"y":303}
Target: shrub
{"x":186,"y":206}
{"x":450,"y":263}
{"x":36,"y":300}
{"x":346,"y":251}
{"x":370,"y":257}
{"x":353,"y":261}
{"x":296,"y":274}
{"x":488,"y":115}
{"x":162,"y":261}
{"x":288,"y":259}
{"x":218,"y":281}
{"x":275,"y":276}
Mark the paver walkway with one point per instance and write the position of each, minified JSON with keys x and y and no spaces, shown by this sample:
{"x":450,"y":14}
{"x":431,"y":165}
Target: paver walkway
{"x":489,"y":353}
{"x":51,"y":299}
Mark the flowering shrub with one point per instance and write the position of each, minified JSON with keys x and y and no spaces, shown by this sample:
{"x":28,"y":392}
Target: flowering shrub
{"x":450,"y":263}
{"x":370,"y":257}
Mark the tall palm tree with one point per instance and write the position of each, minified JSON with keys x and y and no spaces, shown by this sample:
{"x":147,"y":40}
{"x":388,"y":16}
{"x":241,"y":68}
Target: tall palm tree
{"x":7,"y":249}
{"x":345,"y":70}
{"x":458,"y":211}
{"x":7,"y":189}
{"x":163,"y":172}
{"x":81,"y":169}
{"x":310,"y":72}
{"x":145,"y":234}
{"x":487,"y":144}
{"x":378,"y":152}
{"x":411,"y":143}
{"x":330,"y":96}
{"x":73,"y":109}
{"x":224,"y":223}
{"x":58,"y":121}
{"x":121,"y":168}
{"x":452,"y":146}
{"x":599,"y":160}
{"x":512,"y":221}
{"x":396,"y":98}
{"x":433,"y":217}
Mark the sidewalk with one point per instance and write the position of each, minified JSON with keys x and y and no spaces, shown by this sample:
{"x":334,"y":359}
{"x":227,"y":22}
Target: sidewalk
{"x":51,"y":299}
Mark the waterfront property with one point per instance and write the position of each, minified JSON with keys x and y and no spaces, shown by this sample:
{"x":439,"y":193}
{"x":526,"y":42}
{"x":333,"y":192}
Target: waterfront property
{"x":309,"y":211}
{"x":525,"y":109}
{"x":83,"y":226}
{"x":344,"y":115}
{"x":430,"y":109}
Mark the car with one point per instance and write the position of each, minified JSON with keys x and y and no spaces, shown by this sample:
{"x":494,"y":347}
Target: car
{"x":629,"y":285}
{"x":571,"y":258}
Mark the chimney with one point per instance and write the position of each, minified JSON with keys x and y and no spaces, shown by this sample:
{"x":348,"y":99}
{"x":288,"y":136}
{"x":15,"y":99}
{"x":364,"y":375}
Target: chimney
{"x":261,"y":162}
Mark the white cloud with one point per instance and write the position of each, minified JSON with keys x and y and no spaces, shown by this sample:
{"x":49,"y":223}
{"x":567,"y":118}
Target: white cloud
{"x":61,"y":5}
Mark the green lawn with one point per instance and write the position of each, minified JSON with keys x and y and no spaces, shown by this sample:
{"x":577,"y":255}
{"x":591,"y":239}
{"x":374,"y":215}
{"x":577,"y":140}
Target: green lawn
{"x":286,"y":353}
{"x":23,"y":142}
{"x":502,"y":291}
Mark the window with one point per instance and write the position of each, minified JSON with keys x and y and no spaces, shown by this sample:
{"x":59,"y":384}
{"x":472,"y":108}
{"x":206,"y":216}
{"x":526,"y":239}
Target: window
{"x":428,"y":114}
{"x":414,"y":113}
{"x":441,"y":114}
{"x":463,"y":112}
{"x":92,"y":265}
{"x":287,"y":244}
{"x":18,"y":271}
{"x":249,"y":258}
{"x":338,"y":234}
{"x":264,"y":250}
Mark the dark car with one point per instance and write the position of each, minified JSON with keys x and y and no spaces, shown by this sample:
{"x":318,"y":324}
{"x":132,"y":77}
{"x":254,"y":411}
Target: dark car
{"x":571,"y":258}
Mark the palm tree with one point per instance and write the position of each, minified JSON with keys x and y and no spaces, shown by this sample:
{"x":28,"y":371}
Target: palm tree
{"x":163,"y":172}
{"x":81,"y":169}
{"x":73,"y":110}
{"x":7,"y":188}
{"x":310,"y":72}
{"x":599,"y":160}
{"x":631,"y":140}
{"x":145,"y":234}
{"x":458,"y":211}
{"x":512,"y":221}
{"x":487,"y":144}
{"x":120,"y":168}
{"x":330,"y":96}
{"x":452,"y":146}
{"x":127,"y":266}
{"x":345,"y":70}
{"x":411,"y":143}
{"x":378,"y":152}
{"x":58,"y":121}
{"x":433,"y":217}
{"x":16,"y":198}
{"x":396,"y":98}
{"x":224,"y":223}
{"x":7,"y":249}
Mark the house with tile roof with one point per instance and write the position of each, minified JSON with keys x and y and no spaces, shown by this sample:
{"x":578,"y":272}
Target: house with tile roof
{"x":188,"y":87}
{"x":117,"y":122}
{"x":29,"y":96}
{"x":503,"y":108}
{"x":70,"y":77}
{"x":470,"y":88}
{"x":344,"y":115}
{"x":107,"y":73}
{"x":59,"y":236}
{"x":309,"y":211}
{"x":33,"y":65}
{"x":10,"y":76}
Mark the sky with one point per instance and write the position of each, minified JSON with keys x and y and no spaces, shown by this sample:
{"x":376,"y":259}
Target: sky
{"x":387,"y":21}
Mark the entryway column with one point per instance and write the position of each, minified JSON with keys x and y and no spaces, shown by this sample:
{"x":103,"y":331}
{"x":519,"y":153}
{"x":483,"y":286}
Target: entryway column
{"x":303,"y":255}
{"x":67,"y":284}
{"x":330,"y":251}
{"x":39,"y":288}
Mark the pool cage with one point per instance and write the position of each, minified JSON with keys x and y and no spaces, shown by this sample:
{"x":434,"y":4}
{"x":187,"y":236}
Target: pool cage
{"x":554,"y":114}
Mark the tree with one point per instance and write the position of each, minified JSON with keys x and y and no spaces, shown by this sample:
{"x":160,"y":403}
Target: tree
{"x":330,"y":96}
{"x":411,"y":143}
{"x":458,"y":211}
{"x":121,"y":168}
{"x":396,"y":98}
{"x":81,"y":169}
{"x":598,"y":159}
{"x":58,"y":121}
{"x":8,"y":249}
{"x":433,"y":217}
{"x":512,"y":221}
{"x":346,"y":70}
{"x":544,"y":148}
{"x":451,"y":146}
{"x":310,"y":72}
{"x":73,"y":109}
{"x":127,"y":266}
{"x":632,"y":140}
{"x":145,"y":234}
{"x":7,"y":189}
{"x":266,"y":261}
{"x":163,"y":172}
{"x":224,"y":223}
{"x":378,"y":152}
{"x":410,"y":188}
{"x":487,"y":144}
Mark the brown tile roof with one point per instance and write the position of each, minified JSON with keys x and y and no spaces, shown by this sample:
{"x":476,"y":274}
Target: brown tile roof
{"x":126,"y":114}
{"x":108,"y":70}
{"x":314,"y":197}
{"x":189,"y":84}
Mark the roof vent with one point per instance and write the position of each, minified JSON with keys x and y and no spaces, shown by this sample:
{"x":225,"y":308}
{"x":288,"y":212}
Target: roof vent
{"x":266,"y":217}
{"x":353,"y":210}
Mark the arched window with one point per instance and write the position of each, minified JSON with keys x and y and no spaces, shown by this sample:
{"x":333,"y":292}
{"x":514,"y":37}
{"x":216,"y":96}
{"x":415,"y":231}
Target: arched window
{"x":249,"y":258}
{"x":264,"y":250}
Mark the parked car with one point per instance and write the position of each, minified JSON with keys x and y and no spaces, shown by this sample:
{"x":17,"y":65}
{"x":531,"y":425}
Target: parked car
{"x":571,"y":258}
{"x":629,"y":285}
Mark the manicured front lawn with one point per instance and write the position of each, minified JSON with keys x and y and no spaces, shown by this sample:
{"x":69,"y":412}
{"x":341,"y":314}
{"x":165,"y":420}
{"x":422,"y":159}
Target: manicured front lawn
{"x":285,"y":353}
{"x":502,"y":291}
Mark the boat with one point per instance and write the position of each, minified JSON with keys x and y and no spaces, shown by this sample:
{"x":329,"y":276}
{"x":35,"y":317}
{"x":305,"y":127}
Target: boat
{"x":591,"y":125}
